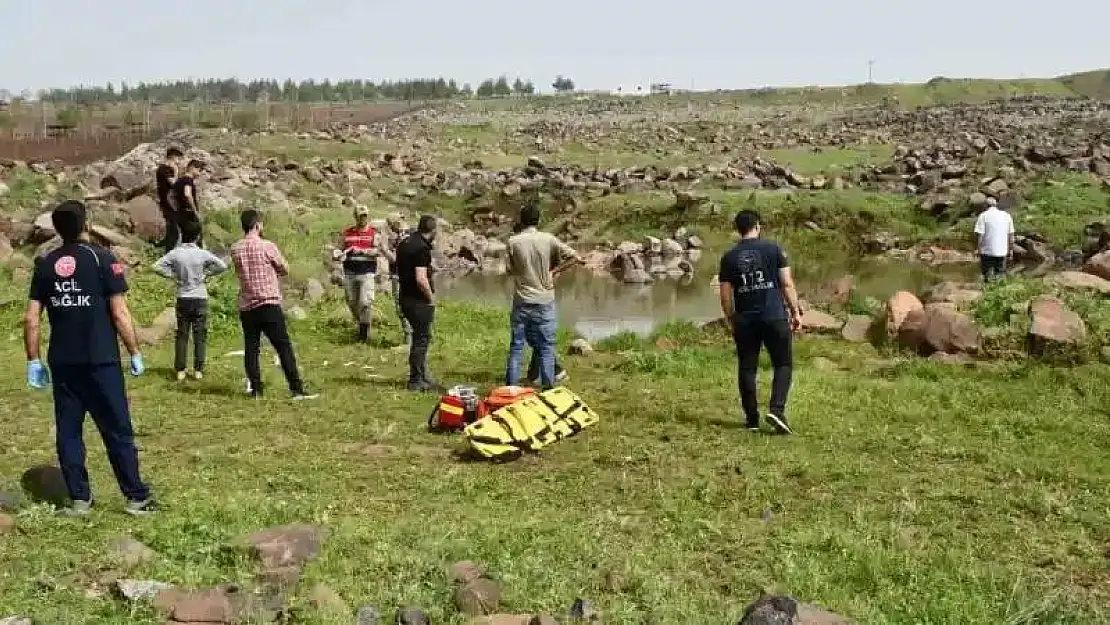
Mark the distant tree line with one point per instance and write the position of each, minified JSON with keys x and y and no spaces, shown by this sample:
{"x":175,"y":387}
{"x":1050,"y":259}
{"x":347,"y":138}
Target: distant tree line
{"x":234,"y":90}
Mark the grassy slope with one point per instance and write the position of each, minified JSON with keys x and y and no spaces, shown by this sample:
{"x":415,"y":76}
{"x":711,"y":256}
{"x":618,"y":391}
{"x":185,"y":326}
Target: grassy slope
{"x":913,"y":493}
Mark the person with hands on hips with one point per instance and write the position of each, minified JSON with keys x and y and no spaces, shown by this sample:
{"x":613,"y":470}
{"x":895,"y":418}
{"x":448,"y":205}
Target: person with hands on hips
{"x":81,"y":287}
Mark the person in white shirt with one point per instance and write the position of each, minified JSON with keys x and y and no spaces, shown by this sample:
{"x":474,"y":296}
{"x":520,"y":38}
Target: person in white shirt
{"x":995,"y":228}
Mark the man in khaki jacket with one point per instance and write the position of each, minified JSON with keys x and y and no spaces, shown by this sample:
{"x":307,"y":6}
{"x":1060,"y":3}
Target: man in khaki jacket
{"x":535,"y":259}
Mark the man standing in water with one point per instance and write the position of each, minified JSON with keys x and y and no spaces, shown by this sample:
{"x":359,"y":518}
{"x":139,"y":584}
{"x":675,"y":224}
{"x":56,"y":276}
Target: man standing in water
{"x":755,"y":279}
{"x":81,"y":287}
{"x":995,"y":229}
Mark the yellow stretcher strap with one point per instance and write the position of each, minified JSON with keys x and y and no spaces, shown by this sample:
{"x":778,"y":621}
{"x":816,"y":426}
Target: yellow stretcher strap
{"x":530,"y":424}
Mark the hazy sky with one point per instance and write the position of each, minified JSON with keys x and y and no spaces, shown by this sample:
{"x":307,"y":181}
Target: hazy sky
{"x":598,"y":43}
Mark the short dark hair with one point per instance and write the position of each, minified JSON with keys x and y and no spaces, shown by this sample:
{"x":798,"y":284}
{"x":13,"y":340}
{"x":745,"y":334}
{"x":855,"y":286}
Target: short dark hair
{"x":174,"y":153}
{"x":190,"y":231}
{"x":530,"y":214}
{"x":249,"y":219}
{"x":195,"y":164}
{"x":68,"y":219}
{"x":746,"y":221}
{"x":427,"y":224}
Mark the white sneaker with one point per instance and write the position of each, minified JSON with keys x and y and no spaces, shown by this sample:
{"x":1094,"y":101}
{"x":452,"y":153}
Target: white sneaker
{"x":76,"y":510}
{"x":197,"y":375}
{"x":180,"y":376}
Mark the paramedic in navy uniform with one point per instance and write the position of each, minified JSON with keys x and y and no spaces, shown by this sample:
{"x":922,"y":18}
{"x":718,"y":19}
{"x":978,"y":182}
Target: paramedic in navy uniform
{"x":82,"y":288}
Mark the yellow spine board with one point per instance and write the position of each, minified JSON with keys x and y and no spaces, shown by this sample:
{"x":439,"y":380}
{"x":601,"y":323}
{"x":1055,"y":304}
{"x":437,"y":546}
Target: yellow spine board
{"x":530,"y":424}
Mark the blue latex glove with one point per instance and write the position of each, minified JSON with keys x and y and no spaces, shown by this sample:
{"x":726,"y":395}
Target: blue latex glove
{"x":137,"y":365}
{"x":37,"y":375}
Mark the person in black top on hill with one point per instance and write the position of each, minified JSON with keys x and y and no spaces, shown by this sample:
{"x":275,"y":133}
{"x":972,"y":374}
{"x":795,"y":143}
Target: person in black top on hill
{"x":81,"y":287}
{"x":164,"y":177}
{"x":758,"y":296}
{"x":185,"y":195}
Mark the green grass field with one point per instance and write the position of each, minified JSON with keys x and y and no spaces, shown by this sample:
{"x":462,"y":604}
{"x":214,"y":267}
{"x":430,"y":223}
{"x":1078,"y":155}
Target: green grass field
{"x":912,"y":493}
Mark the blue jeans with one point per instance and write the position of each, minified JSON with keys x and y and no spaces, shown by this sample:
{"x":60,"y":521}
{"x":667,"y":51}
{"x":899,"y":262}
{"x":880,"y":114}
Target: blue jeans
{"x":532,"y":324}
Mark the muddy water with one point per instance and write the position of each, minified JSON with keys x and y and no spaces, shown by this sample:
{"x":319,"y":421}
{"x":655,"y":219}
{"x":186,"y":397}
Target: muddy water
{"x":597,"y":307}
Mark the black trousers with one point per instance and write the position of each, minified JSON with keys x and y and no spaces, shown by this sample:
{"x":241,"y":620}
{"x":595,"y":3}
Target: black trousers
{"x":420,"y":316}
{"x":192,"y":318}
{"x":97,"y":390}
{"x":173,"y":235}
{"x":751,"y":335}
{"x":268,"y":320}
{"x":992,"y":267}
{"x":534,"y":366}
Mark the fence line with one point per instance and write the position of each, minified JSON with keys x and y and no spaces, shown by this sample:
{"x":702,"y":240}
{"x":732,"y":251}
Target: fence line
{"x":91,"y":141}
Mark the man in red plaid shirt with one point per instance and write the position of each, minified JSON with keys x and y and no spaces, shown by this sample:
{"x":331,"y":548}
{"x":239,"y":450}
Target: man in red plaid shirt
{"x":259,"y":265}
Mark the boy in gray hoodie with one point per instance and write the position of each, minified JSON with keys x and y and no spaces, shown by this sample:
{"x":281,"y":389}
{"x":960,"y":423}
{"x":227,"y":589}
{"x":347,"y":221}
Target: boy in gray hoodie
{"x":190,"y":265}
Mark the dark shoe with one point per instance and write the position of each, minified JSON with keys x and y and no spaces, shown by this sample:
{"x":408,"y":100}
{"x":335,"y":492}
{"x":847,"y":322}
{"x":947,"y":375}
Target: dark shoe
{"x":752,"y":427}
{"x":145,"y":507}
{"x":779,"y":424}
{"x":419,"y":386}
{"x":434,"y":385}
{"x":363,"y":332}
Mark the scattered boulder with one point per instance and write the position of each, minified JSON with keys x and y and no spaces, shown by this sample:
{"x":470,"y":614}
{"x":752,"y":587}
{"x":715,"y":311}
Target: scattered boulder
{"x":784,"y":610}
{"x":856,"y":328}
{"x":45,"y":484}
{"x":898,"y":308}
{"x":478,"y":597}
{"x":16,"y":620}
{"x":7,"y":524}
{"x":939,"y":328}
{"x":962,"y":295}
{"x":1079,"y":280}
{"x":290,"y":545}
{"x":819,"y":321}
{"x":1052,"y":323}
{"x":130,"y":553}
{"x":145,"y":218}
{"x":206,"y":606}
{"x":411,"y":615}
{"x":1098,"y":265}
{"x":465,"y":571}
{"x":139,"y":590}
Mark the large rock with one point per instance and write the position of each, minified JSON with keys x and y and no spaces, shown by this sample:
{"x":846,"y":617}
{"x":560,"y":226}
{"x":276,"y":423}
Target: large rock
{"x":146,"y":218}
{"x":1079,"y":280}
{"x":962,"y":295}
{"x":1099,"y":265}
{"x":290,"y":545}
{"x":784,"y":610}
{"x":898,"y":308}
{"x":1052,"y":323}
{"x":856,"y":328}
{"x":820,"y":321}
{"x":478,"y":597}
{"x":939,"y":328}
{"x":45,"y":484}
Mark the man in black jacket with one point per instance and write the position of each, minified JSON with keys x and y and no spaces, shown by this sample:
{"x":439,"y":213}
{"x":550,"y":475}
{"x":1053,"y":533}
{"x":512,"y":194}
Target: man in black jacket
{"x":758,"y":295}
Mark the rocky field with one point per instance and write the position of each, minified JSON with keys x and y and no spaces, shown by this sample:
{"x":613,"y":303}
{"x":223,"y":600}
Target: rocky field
{"x":949,"y":466}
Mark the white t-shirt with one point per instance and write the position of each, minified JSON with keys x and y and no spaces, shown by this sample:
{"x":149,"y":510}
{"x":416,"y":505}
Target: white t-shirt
{"x":994,"y":227}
